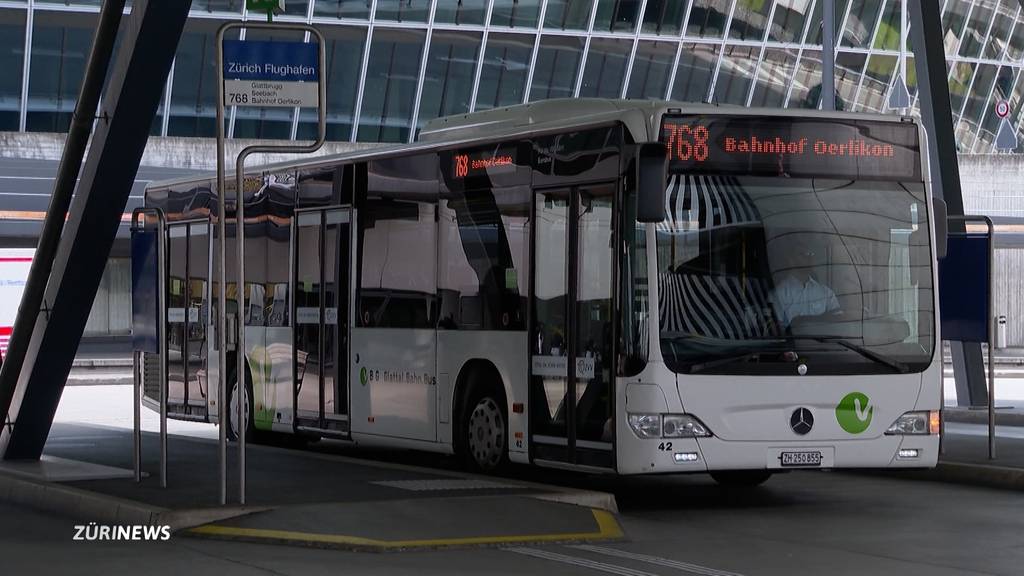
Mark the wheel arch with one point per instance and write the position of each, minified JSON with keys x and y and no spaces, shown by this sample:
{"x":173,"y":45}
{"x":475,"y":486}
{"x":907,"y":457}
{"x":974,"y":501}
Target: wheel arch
{"x":476,"y":372}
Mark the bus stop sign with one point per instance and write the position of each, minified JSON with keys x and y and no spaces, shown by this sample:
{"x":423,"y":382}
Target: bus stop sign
{"x":145,"y":287}
{"x":964,"y":279}
{"x":271,"y":74}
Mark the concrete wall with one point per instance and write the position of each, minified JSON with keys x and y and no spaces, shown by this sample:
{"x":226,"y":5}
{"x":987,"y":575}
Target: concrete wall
{"x":993,"y":185}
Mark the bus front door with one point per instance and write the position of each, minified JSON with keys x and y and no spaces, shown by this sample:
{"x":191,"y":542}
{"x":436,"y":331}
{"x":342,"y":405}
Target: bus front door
{"x":322,"y":269}
{"x":572,"y":371}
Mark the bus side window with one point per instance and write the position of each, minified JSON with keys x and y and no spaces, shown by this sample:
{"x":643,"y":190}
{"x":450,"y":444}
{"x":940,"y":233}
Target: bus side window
{"x":483,"y":257}
{"x":397,"y":242}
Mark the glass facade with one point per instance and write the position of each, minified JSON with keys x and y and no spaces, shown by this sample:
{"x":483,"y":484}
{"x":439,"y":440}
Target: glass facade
{"x":393,"y":65}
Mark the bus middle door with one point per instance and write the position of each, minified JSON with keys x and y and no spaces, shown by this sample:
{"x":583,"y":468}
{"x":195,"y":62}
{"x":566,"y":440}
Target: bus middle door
{"x":188,"y":294}
{"x":323,"y":267}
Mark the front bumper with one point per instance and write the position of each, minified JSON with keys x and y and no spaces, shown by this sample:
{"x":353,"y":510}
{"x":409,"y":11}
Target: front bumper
{"x":658,"y":456}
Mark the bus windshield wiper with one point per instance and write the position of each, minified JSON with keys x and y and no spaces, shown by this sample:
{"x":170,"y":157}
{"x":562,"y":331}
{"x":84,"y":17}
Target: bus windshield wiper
{"x":697,"y":368}
{"x":863,"y":351}
{"x":741,"y":357}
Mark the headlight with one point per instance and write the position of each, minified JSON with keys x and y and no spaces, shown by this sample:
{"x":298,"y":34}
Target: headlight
{"x":646,"y":425}
{"x":915,"y":423}
{"x":667,"y":426}
{"x":683,"y":426}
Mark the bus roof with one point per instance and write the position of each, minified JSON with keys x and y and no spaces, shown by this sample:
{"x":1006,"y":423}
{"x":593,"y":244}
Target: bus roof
{"x":640,"y":117}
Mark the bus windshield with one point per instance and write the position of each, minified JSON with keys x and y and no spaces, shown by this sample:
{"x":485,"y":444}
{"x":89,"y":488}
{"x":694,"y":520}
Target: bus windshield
{"x":777,"y":275}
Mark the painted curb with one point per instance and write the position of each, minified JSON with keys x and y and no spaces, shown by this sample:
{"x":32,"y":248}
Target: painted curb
{"x":74,"y":502}
{"x":1003,"y":418}
{"x":95,"y":507}
{"x":585,"y":498}
{"x":980,"y":475}
{"x":607,"y":529}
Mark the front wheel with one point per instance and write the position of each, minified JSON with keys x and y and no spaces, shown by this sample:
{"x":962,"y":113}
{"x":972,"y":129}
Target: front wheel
{"x":741,"y":478}
{"x":485,"y":431}
{"x":232,"y":415}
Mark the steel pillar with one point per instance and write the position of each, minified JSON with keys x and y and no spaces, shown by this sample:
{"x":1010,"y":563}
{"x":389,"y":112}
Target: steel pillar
{"x":828,"y":56}
{"x":944,"y":170}
{"x":150,"y":38}
{"x":63,"y":191}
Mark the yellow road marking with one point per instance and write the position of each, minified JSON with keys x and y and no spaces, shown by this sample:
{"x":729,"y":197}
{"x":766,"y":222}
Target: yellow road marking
{"x":608,"y":528}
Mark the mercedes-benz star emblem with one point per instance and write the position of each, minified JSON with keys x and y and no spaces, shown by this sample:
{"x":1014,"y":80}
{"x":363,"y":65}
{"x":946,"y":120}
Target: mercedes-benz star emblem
{"x":801,"y":421}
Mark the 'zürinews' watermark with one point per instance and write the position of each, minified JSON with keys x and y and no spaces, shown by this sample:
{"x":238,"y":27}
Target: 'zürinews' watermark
{"x":137,"y":533}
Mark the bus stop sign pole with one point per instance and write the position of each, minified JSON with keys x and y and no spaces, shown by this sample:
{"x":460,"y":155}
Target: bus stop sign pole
{"x":257,"y":74}
{"x":149,"y":325}
{"x":967,"y":323}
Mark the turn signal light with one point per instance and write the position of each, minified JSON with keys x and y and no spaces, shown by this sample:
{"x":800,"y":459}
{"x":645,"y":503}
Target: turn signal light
{"x":934,"y":422}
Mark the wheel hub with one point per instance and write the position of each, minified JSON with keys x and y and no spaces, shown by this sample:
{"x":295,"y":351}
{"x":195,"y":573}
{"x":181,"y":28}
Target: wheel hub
{"x":486,"y":434}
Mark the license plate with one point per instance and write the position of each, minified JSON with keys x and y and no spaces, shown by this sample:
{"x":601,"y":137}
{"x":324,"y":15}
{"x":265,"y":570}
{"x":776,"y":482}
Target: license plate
{"x":800,"y":458}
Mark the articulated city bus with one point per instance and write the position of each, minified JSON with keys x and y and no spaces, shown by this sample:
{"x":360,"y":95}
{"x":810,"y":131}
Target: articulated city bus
{"x":601,"y":285}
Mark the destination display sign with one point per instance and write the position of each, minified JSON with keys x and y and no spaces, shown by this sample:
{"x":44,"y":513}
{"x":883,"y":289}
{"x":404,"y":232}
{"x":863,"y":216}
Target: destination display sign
{"x":484,"y":162}
{"x":271,"y":74}
{"x":792,"y":147}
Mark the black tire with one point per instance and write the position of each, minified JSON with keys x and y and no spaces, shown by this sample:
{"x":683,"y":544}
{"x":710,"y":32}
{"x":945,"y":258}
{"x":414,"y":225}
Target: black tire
{"x":250,"y":430}
{"x":741,"y":478}
{"x":483,"y":429}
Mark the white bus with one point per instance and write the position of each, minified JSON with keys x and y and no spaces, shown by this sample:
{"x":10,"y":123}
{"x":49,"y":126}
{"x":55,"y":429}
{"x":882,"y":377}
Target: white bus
{"x":600,"y":285}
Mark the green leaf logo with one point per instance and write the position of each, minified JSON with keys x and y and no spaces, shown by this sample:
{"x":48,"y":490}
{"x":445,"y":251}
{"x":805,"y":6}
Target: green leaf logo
{"x":854,"y":412}
{"x":362,"y":375}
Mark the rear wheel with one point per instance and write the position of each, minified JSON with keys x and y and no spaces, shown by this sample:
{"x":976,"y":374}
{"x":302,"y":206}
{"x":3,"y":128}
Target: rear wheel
{"x":485,"y":431}
{"x":232,"y":415}
{"x":741,"y":478}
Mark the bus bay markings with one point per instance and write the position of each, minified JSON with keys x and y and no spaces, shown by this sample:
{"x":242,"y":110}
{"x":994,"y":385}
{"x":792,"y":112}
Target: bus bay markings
{"x":578,"y":561}
{"x":656,"y":560}
{"x":610,"y":568}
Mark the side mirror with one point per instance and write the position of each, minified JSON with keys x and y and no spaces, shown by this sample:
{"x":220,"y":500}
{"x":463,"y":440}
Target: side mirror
{"x":651,"y":175}
{"x":940,"y":221}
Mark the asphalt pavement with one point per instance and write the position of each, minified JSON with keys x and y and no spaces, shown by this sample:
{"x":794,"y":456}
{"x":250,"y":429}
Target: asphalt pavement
{"x":798,"y":523}
{"x":828,"y":523}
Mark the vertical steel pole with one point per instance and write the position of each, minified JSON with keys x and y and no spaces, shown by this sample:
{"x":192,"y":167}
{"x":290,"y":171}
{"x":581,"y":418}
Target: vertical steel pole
{"x":240,"y":354}
{"x":903,"y":42}
{"x":828,"y":55}
{"x":991,"y":341}
{"x":161,"y":257}
{"x":137,"y":416}
{"x":222,"y":354}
